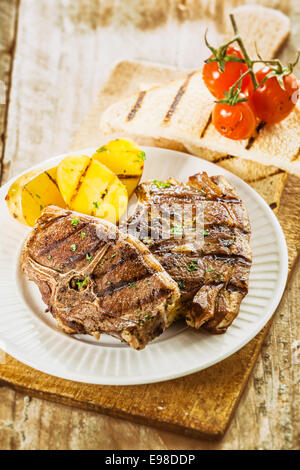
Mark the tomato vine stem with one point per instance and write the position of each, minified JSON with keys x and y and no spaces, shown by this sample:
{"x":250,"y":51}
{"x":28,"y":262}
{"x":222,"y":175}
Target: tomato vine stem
{"x":232,"y":96}
{"x":220,"y":56}
{"x":239,"y":40}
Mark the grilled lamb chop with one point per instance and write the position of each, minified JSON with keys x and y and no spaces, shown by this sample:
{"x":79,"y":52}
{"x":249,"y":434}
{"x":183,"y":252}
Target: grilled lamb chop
{"x":200,"y":234}
{"x":95,"y":279}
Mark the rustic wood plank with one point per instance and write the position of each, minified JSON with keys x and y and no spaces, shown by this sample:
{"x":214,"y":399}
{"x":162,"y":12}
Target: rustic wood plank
{"x":84,"y":40}
{"x":46,"y":85}
{"x":8,"y":32}
{"x":33,"y":423}
{"x":198,"y":405}
{"x":30,"y":423}
{"x":56,"y":426}
{"x":58,"y":391}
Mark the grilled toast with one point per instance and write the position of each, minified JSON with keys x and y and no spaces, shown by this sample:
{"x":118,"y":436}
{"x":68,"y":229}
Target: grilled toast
{"x":179,"y":114}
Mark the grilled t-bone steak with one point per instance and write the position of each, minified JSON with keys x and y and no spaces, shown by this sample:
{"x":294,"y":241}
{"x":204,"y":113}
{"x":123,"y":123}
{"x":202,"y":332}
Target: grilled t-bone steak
{"x":200,"y":234}
{"x":95,"y":279}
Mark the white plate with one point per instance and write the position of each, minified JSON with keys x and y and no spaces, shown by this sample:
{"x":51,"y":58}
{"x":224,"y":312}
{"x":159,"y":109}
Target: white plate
{"x":31,"y":335}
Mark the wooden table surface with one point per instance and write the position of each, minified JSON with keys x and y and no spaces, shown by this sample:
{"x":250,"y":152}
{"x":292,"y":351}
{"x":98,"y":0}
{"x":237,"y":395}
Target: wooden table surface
{"x":54,"y":56}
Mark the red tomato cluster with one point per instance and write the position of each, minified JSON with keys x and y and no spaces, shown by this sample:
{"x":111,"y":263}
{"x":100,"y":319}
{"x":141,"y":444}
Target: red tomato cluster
{"x":273,"y":103}
{"x":269,"y":102}
{"x":217,"y":82}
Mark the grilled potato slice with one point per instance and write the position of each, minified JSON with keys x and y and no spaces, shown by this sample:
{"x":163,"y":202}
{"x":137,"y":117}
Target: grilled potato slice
{"x":29,"y":194}
{"x":125,"y":159}
{"x":89,"y":187}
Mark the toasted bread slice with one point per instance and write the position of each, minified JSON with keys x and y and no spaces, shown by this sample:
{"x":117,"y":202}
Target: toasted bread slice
{"x":126,"y":78}
{"x":266,"y":27}
{"x":179,"y":113}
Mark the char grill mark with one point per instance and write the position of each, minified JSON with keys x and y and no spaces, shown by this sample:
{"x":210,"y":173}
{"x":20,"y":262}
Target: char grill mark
{"x":212,"y":273}
{"x":135,"y":308}
{"x":81,"y":179}
{"x":129,"y":267}
{"x":82,"y":256}
{"x":223,"y":228}
{"x":226,"y":215}
{"x":136,"y":106}
{"x":177,"y":99}
{"x":223,"y":158}
{"x":55,"y":244}
{"x":136,"y":303}
{"x":209,"y":121}
{"x":296,"y":156}
{"x":250,"y":142}
{"x":230,"y":258}
{"x":183,"y":194}
{"x":269,"y":175}
{"x":126,"y":262}
{"x":252,"y":139}
{"x":126,"y":176}
{"x":69,"y":249}
{"x":117,"y":286}
{"x":229,"y":248}
{"x":51,"y":179}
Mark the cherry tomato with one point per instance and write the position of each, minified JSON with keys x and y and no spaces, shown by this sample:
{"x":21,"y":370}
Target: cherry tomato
{"x":272,"y":103}
{"x":217,"y":82}
{"x":249,"y":97}
{"x":235,"y":122}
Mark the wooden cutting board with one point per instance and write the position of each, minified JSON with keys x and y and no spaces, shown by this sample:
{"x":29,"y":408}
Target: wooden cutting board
{"x":201,"y":404}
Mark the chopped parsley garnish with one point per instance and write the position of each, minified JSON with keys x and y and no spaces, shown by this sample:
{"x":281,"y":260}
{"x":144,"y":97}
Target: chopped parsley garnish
{"x":82,"y":235}
{"x":112,"y":256}
{"x":177,"y":229}
{"x":41,"y":207}
{"x":88,"y":257}
{"x":147,"y":315}
{"x":96,"y":204}
{"x":205,"y":233}
{"x":101,"y":149}
{"x":73,"y":247}
{"x":74,"y":222}
{"x":161,"y":184}
{"x":193,"y":266}
{"x":82,"y":283}
{"x":110,"y":283}
{"x":142,"y":155}
{"x":37,"y":195}
{"x":181,"y":284}
{"x":132,"y":285}
{"x":49,"y":257}
{"x":215,"y":274}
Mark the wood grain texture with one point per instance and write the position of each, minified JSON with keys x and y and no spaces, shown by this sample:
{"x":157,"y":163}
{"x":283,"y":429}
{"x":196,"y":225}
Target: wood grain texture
{"x":190,"y":406}
{"x":77,"y":36}
{"x":8,"y":31}
{"x":197,"y":405}
{"x":265,"y":419}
